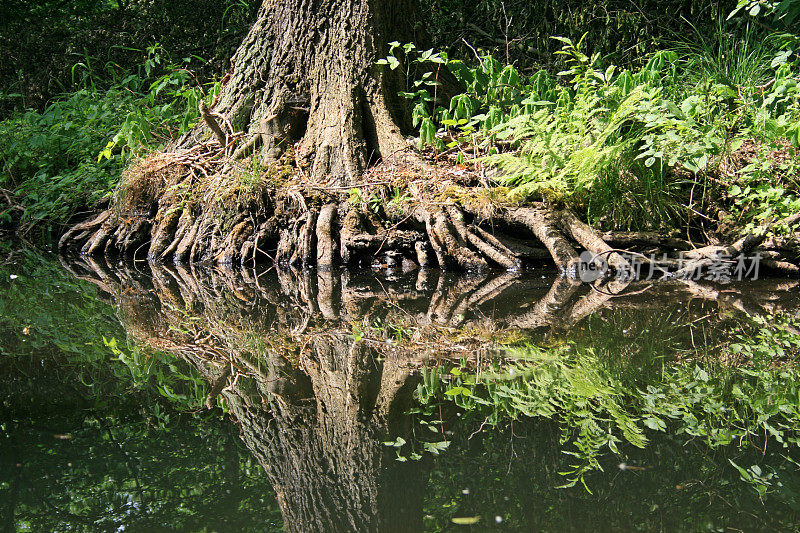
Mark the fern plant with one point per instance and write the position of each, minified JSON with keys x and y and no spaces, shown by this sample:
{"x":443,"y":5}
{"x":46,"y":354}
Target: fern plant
{"x":567,"y":144}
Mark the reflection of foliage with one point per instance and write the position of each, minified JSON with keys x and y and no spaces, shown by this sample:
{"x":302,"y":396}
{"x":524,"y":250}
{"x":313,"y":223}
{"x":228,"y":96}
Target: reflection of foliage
{"x":774,"y":341}
{"x":672,"y":485}
{"x":175,"y":381}
{"x":597,"y":406}
{"x":49,"y":316}
{"x":120,"y":472}
{"x":570,"y":386}
{"x":58,"y":311}
{"x":96,"y":425}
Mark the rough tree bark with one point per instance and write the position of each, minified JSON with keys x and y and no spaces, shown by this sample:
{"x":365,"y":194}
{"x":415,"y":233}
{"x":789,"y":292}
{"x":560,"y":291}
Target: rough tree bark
{"x":305,"y":72}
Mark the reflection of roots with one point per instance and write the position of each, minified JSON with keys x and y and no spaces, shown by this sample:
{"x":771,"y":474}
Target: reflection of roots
{"x":317,"y":367}
{"x":414,"y":311}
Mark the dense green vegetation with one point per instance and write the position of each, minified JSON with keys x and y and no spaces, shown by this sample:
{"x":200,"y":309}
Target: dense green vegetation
{"x":77,"y":103}
{"x":520,"y":32}
{"x":50,"y":47}
{"x":697,"y":117}
{"x":716,"y":115}
{"x":70,"y":156}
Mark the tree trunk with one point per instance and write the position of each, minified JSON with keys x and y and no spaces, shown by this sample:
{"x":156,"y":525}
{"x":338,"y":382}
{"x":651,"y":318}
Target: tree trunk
{"x":304,"y":84}
{"x":306,"y":72}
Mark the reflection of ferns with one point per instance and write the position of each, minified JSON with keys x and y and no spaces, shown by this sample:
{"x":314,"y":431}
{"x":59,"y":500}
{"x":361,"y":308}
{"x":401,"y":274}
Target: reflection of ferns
{"x":632,"y":344}
{"x":600,"y":404}
{"x":569,"y":386}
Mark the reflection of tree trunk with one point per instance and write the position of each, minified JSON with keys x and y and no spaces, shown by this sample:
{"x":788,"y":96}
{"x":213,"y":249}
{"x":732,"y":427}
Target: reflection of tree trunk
{"x":321,"y":438}
{"x":314,"y":406}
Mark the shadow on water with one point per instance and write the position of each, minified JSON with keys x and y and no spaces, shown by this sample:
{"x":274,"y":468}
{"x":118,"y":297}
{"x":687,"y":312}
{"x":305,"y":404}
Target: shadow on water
{"x":365,"y":398}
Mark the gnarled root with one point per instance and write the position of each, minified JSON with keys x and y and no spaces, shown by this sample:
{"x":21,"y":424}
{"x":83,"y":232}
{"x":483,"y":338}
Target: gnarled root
{"x":364,"y":237}
{"x":81,"y":233}
{"x":327,"y":244}
{"x":296,"y":235}
{"x":543,"y":224}
{"x":703,"y":258}
{"x":296,"y":230}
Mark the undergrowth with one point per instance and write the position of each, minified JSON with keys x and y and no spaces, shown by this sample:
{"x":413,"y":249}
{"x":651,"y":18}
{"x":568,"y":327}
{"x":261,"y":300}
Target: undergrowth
{"x":706,"y":131}
{"x":59,"y":162}
{"x":645,"y":148}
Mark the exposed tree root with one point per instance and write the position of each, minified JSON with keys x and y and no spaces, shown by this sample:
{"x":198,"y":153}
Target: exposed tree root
{"x":448,"y":237}
{"x":709,"y":255}
{"x":194,"y":207}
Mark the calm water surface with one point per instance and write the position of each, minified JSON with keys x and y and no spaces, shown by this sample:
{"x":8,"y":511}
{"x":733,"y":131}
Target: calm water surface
{"x":157,"y":399}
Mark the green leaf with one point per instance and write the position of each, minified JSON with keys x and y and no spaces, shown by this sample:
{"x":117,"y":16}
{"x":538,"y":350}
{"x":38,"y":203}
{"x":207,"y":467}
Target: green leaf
{"x":466,"y":520}
{"x":427,"y":132}
{"x":395,"y":443}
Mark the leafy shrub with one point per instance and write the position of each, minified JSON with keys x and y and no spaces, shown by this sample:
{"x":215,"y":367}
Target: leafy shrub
{"x":631,"y":147}
{"x":60,"y":161}
{"x":49,"y":159}
{"x":783,"y":12}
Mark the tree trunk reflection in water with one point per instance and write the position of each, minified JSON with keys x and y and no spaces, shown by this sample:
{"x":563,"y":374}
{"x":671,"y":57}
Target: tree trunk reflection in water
{"x":321,"y":443}
{"x":313,"y":405}
{"x":312,"y":370}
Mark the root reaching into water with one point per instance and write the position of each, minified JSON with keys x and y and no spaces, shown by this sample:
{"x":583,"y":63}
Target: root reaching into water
{"x":337,"y":233}
{"x":201,"y":206}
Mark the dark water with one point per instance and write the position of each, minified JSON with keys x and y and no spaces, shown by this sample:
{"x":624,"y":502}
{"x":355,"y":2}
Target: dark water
{"x":148,"y":399}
